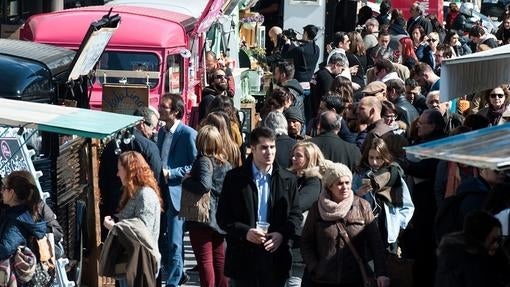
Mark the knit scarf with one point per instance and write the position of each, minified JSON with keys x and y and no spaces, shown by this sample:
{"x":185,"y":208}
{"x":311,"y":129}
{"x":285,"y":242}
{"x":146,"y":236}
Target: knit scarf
{"x":332,"y":211}
{"x":495,"y":115}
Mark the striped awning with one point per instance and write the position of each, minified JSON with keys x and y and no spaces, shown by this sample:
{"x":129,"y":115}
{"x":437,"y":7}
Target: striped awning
{"x":474,"y":72}
{"x":484,"y":148}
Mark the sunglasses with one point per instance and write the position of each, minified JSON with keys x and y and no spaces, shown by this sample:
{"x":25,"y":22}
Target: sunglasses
{"x":493,"y":96}
{"x":431,"y":40}
{"x":218,"y":77}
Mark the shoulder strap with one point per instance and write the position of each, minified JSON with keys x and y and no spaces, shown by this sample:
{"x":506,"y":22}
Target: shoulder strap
{"x":347,"y":240}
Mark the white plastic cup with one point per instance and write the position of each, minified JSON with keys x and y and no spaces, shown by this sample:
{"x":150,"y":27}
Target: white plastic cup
{"x":263,"y":226}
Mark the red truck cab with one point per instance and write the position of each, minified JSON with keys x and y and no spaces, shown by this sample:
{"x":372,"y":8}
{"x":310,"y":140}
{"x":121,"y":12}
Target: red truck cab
{"x":157,"y":44}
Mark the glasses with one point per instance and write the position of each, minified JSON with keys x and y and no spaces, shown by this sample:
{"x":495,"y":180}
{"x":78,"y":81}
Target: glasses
{"x":493,"y":96}
{"x":219,"y":77}
{"x":431,"y":40}
{"x":390,"y":116}
{"x":149,"y":124}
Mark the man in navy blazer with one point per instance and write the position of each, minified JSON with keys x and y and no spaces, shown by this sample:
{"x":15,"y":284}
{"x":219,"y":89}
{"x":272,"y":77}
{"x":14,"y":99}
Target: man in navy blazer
{"x":176,"y":142}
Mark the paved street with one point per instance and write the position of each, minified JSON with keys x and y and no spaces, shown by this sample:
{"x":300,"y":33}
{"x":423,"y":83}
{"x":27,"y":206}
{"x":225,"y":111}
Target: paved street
{"x":189,"y":262}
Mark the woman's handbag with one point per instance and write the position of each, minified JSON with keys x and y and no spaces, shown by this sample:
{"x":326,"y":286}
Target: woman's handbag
{"x":24,"y":264}
{"x":194,"y":206}
{"x":368,"y":281}
{"x":45,"y":268}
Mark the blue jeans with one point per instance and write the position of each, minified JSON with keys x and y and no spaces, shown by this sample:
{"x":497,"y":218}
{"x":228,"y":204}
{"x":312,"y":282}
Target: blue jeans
{"x":175,"y":233}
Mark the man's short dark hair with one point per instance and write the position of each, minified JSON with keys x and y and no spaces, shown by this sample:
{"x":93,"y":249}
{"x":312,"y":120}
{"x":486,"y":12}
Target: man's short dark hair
{"x":147,"y":115}
{"x":420,"y":69}
{"x":334,"y":101}
{"x":337,"y":38}
{"x":177,"y":104}
{"x":476,"y":31}
{"x":478,"y":224}
{"x":435,"y":117}
{"x":446,"y":49}
{"x":383,"y":34}
{"x":395,"y":84}
{"x":261,"y":132}
{"x":384,"y":64}
{"x":329,"y":121}
{"x":412,"y":83}
{"x":287,"y":68}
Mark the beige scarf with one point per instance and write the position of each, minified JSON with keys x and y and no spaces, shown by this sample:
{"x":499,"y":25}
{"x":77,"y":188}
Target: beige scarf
{"x":332,"y":211}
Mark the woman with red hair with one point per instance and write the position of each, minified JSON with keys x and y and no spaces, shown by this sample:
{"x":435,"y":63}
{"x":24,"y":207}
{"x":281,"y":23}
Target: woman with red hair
{"x":408,"y":56}
{"x":140,"y":200}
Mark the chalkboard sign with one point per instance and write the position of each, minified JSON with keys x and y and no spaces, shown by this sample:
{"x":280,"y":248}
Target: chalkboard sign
{"x":250,"y":119}
{"x":11,"y":156}
{"x":15,"y":156}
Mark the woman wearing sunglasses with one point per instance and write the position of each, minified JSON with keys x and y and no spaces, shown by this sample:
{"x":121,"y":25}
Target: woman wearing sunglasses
{"x":497,"y":111}
{"x":430,"y":49}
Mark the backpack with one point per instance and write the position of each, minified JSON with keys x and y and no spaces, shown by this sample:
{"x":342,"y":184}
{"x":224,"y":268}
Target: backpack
{"x":449,"y":217}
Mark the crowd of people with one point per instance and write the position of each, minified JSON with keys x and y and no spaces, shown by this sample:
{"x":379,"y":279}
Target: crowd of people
{"x":321,"y":192}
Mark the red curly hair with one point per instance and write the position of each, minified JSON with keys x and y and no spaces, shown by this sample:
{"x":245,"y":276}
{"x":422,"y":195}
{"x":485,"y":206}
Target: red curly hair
{"x":408,"y":49}
{"x":138,"y":174}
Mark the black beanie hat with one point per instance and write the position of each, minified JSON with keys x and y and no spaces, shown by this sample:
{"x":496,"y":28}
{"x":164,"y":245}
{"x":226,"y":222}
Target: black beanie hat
{"x":294,"y":113}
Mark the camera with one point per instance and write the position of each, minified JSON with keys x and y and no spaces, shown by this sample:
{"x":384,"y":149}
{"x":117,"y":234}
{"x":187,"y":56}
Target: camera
{"x":290,"y":34}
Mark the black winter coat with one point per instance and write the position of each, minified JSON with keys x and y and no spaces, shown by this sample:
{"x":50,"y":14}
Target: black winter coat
{"x":237,"y":213}
{"x":337,"y":150}
{"x":463,"y":262}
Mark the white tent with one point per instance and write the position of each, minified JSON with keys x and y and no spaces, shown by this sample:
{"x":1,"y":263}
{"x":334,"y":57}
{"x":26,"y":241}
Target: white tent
{"x":484,"y":148}
{"x":475,"y":72}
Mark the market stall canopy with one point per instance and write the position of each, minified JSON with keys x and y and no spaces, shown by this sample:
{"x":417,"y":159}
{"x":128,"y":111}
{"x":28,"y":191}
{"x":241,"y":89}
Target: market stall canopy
{"x":474,"y":72}
{"x":63,"y":120}
{"x":484,"y":148}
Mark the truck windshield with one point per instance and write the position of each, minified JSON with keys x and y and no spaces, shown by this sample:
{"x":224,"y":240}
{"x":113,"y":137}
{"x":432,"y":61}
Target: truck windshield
{"x":128,"y":68}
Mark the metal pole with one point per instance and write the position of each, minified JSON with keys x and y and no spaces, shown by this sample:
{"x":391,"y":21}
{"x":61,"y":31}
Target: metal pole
{"x":57,"y":5}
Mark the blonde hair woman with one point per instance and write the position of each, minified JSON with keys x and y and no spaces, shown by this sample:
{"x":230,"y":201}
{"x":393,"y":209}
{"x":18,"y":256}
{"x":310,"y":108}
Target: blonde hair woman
{"x":207,"y":175}
{"x":306,"y":161}
{"x":232,"y":150}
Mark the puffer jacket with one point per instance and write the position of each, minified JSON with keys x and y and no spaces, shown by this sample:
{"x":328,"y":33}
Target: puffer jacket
{"x":16,"y":227}
{"x":327,"y":257}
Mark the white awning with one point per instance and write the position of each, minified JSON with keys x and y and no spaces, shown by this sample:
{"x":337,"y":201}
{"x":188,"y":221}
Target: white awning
{"x":484,"y":148}
{"x":475,"y":72}
{"x":64,"y":120}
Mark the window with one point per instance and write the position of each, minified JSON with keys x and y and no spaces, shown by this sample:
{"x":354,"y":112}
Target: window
{"x":175,"y":74}
{"x":128,"y":68}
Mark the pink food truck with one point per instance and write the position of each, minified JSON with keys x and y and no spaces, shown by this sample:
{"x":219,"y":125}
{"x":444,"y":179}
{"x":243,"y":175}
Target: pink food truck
{"x":157,"y":44}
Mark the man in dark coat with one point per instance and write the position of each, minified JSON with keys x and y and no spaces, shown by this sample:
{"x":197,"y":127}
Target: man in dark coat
{"x":417,"y":18}
{"x":218,"y":86}
{"x":109,"y":182}
{"x":405,"y":111}
{"x":323,"y":80}
{"x":259,"y":191}
{"x":332,"y":146}
{"x":305,"y":56}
